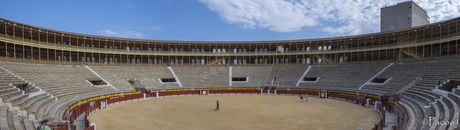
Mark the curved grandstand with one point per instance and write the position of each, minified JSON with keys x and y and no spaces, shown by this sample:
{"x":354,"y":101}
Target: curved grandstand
{"x":56,"y":75}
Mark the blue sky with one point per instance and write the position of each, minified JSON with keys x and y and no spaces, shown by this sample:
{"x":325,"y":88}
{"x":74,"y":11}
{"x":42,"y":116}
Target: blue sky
{"x":213,"y":20}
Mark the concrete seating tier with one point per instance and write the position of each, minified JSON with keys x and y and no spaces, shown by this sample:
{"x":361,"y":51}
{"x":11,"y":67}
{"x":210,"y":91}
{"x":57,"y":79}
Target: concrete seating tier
{"x":287,"y":75}
{"x":68,"y":82}
{"x":51,"y":77}
{"x":420,"y":111}
{"x":119,"y":76}
{"x":204,"y":76}
{"x":402,"y":73}
{"x":256,"y":74}
{"x":343,"y":76}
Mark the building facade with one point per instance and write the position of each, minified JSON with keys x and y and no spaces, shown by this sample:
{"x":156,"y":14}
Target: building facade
{"x":26,"y":43}
{"x":402,"y":16}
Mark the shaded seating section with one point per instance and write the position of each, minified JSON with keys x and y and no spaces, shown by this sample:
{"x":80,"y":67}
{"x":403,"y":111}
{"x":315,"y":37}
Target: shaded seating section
{"x":343,"y":76}
{"x":119,"y":76}
{"x":202,"y":76}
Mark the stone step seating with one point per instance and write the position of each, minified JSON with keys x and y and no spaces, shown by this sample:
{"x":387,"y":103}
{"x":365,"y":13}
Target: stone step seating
{"x":57,"y":110}
{"x":257,"y":75}
{"x":35,"y":123}
{"x":29,"y":103}
{"x":16,"y":119}
{"x":420,"y":111}
{"x":446,"y":109}
{"x":428,"y":94}
{"x":11,"y":94}
{"x":426,"y":101}
{"x":456,"y":98}
{"x":287,"y":75}
{"x":6,"y":90}
{"x":456,"y":91}
{"x":203,"y":76}
{"x":411,"y":117}
{"x":43,"y":109}
{"x":27,"y":124}
{"x":51,"y":77}
{"x":402,"y":73}
{"x":36,"y":107}
{"x":18,"y":99}
{"x":452,"y":107}
{"x":444,"y":113}
{"x":4,"y":118}
{"x":28,"y":99}
{"x":118,"y":76}
{"x":69,"y":92}
{"x":62,"y":81}
{"x":343,"y":76}
{"x":437,"y":116}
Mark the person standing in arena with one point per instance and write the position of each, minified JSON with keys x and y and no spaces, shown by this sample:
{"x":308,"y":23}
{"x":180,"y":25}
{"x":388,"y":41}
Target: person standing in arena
{"x":306,"y":97}
{"x":217,"y":108}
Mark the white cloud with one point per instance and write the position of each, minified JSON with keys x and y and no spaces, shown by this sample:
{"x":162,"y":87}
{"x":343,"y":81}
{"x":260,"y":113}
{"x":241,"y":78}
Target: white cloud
{"x":276,"y":15}
{"x":339,"y":17}
{"x":121,"y":32}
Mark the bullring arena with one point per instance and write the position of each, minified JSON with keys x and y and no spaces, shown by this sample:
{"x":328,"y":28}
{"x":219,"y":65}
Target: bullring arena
{"x":237,"y":112}
{"x":396,"y":80}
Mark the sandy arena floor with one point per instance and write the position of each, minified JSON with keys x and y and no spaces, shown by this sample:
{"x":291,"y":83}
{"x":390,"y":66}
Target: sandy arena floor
{"x":236,"y":112}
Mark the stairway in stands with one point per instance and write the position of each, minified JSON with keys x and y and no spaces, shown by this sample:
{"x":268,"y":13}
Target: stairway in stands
{"x":424,"y":103}
{"x":14,"y":101}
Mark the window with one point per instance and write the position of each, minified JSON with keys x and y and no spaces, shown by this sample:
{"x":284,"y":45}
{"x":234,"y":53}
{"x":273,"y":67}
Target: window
{"x":379,"y":80}
{"x":310,"y":78}
{"x":168,"y":80}
{"x":96,"y":82}
{"x":392,"y":27}
{"x":240,"y":79}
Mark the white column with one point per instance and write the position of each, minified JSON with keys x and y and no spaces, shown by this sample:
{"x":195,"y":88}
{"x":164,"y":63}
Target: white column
{"x":368,"y":101}
{"x":230,"y":76}
{"x":175,"y":77}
